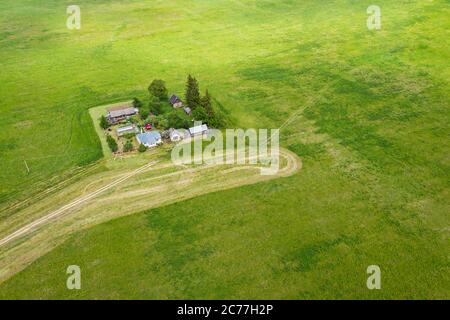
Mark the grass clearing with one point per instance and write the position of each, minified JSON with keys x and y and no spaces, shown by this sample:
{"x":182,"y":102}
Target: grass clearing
{"x":372,"y":131}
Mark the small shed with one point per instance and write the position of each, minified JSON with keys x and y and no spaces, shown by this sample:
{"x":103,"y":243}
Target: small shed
{"x":188,"y":111}
{"x":131,"y":129}
{"x":198,"y":130}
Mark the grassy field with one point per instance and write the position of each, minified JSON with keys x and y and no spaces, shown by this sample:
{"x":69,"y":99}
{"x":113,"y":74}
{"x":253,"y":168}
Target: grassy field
{"x":122,"y":192}
{"x":372,"y":132}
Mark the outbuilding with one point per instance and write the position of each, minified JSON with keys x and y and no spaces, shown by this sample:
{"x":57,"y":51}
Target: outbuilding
{"x":175,"y":135}
{"x":188,"y":111}
{"x":198,"y":130}
{"x":175,"y":101}
{"x":131,"y":129}
{"x":119,"y":113}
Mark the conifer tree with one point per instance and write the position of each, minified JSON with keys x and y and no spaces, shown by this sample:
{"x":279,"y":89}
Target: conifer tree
{"x":192,"y":93}
{"x":206,"y":103}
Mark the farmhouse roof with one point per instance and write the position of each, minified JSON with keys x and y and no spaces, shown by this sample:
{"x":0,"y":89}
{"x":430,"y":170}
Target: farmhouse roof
{"x":120,"y":111}
{"x":126,"y":129}
{"x":149,"y":138}
{"x":174,"y":99}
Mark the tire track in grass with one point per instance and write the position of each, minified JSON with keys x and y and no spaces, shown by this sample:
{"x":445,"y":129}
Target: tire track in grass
{"x":33,"y":225}
{"x":291,"y":167}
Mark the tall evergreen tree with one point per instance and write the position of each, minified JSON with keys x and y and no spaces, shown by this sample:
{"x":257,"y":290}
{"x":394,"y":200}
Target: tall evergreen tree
{"x":192,"y":93}
{"x":206,"y":103}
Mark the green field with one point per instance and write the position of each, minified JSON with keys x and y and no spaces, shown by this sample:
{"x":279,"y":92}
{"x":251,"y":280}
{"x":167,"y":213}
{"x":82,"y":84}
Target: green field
{"x":373,"y":133}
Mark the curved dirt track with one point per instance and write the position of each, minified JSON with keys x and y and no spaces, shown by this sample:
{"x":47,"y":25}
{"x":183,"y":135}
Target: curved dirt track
{"x":136,"y":192}
{"x":29,"y":227}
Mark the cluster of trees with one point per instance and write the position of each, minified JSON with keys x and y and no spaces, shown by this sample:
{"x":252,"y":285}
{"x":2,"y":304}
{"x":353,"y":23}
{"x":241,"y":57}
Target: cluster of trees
{"x":112,"y":143}
{"x":159,"y":112}
{"x":202,"y":107}
{"x":158,"y":97}
{"x":127,"y":147}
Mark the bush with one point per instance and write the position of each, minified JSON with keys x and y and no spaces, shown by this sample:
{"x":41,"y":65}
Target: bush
{"x":112,"y":143}
{"x":200,"y":114}
{"x":144,"y":114}
{"x":175,"y":120}
{"x":161,"y":121}
{"x":137,"y":103}
{"x":104,"y":124}
{"x":128,"y":146}
{"x":217,"y":121}
{"x":133,"y":119}
{"x":142,"y":148}
{"x":129,"y":136}
{"x":155,"y":106}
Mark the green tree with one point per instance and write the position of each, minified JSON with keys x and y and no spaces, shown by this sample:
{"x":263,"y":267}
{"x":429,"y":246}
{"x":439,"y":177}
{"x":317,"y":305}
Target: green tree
{"x":207,"y":104}
{"x":133,"y":119}
{"x":175,"y":120}
{"x":104,"y":124}
{"x":158,"y":89}
{"x":142,"y":148}
{"x":137,"y":103}
{"x":161,"y":121}
{"x":192,"y":93}
{"x":217,"y":121}
{"x":155,"y":106}
{"x":128,"y":146}
{"x":129,"y":136}
{"x":200,"y":114}
{"x":144,"y":114}
{"x":112,"y":143}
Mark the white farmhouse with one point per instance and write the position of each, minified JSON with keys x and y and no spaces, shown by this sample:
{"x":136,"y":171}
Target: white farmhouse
{"x":175,"y":135}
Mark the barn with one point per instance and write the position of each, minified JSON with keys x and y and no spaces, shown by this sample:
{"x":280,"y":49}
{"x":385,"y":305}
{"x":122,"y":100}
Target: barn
{"x":120,"y":113}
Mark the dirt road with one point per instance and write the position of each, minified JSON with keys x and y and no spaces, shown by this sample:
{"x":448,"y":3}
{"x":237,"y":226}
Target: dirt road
{"x":292,"y":165}
{"x":29,"y":227}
